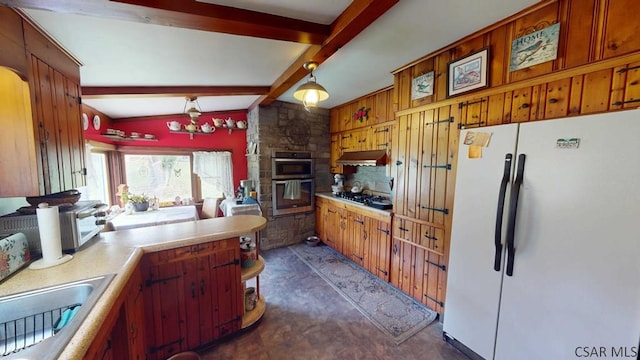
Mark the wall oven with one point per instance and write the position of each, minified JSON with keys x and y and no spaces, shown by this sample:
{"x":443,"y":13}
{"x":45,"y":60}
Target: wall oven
{"x":292,"y":196}
{"x":292,"y":184}
{"x":79,"y":223}
{"x":291,"y":164}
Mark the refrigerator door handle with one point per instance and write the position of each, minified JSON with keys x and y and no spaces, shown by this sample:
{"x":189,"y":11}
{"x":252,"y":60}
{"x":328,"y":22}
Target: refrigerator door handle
{"x":513,"y":211}
{"x":506,"y":176}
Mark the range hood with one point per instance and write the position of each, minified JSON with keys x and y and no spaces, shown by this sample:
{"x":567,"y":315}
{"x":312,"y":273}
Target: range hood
{"x":364,"y":158}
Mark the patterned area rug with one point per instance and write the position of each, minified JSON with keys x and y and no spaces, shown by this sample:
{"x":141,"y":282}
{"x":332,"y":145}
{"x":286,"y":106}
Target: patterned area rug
{"x":390,"y":310}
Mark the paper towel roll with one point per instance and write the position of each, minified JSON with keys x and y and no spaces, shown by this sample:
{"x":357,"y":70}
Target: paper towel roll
{"x":49,"y":228}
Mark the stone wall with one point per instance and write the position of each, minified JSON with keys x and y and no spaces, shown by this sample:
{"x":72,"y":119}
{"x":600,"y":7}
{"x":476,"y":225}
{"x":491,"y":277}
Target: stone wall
{"x":287,"y":126}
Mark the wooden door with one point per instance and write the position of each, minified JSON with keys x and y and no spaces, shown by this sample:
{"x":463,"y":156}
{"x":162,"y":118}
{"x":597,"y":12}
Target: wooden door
{"x":377,"y":252}
{"x":357,"y":238}
{"x":320,"y":216}
{"x":226,"y":291}
{"x":134,"y":312}
{"x":197,"y":304}
{"x":333,"y":231}
{"x":164,"y":313}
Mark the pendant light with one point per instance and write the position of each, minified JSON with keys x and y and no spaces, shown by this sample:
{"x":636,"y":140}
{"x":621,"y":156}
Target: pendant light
{"x":194,"y":109}
{"x":311,"y":93}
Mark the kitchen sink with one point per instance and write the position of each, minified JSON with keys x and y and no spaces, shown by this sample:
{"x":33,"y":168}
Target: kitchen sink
{"x":38,"y":324}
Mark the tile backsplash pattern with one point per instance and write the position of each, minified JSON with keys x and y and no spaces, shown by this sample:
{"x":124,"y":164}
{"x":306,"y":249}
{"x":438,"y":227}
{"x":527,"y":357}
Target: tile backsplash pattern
{"x":283,"y":125}
{"x":372,"y":178}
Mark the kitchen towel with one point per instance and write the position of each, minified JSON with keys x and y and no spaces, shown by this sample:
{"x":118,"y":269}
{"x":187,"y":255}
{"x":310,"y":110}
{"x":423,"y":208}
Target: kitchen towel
{"x":50,"y":241}
{"x":292,"y":189}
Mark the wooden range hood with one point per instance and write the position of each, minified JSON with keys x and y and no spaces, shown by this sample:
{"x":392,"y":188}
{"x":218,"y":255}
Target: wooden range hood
{"x":363,"y":158}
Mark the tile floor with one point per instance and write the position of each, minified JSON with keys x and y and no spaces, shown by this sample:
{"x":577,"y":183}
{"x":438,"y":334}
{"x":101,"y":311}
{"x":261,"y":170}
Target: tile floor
{"x":307,"y":319}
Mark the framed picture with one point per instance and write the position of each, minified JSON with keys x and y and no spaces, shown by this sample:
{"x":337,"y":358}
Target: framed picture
{"x":422,"y":86}
{"x":468,"y":73}
{"x":535,"y":48}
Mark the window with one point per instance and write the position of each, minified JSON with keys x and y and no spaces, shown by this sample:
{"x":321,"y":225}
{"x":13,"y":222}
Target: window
{"x":161,"y":176}
{"x":97,"y":175}
{"x":215,"y":172}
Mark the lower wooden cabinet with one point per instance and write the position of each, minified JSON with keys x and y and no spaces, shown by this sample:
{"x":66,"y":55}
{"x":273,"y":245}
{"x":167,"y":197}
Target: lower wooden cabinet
{"x":362,"y":236}
{"x":192,"y":296}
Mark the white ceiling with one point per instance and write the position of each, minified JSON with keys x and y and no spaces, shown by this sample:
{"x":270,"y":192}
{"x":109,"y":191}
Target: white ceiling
{"x":120,"y":53}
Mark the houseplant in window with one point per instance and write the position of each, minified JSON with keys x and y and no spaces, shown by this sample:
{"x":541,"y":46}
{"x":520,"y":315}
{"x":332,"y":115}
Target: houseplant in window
{"x":139,"y":202}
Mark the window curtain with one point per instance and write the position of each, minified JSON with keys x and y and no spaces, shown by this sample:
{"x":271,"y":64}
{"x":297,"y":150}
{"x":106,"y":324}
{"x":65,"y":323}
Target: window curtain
{"x":215,"y":167}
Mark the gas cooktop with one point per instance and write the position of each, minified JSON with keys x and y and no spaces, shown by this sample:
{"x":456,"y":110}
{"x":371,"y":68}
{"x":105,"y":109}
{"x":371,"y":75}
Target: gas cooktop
{"x":374,"y":201}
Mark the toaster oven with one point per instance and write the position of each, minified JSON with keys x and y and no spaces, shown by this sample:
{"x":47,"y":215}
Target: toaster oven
{"x":79,"y":223}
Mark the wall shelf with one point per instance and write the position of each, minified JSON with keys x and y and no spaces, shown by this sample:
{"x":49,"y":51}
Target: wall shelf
{"x":191,"y":133}
{"x":116,"y":137}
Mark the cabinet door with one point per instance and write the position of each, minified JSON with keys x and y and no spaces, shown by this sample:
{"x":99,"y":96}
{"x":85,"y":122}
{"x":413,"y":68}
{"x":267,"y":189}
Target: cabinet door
{"x":56,"y":114}
{"x":320,"y":218}
{"x":377,"y":254}
{"x":334,"y":229}
{"x":134,"y":312}
{"x":164,"y":313}
{"x":357,"y":237}
{"x":226,"y":290}
{"x":197,"y":305}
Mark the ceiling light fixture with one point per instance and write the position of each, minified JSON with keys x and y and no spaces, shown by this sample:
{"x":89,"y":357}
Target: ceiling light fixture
{"x":194,"y":109}
{"x":311,"y":93}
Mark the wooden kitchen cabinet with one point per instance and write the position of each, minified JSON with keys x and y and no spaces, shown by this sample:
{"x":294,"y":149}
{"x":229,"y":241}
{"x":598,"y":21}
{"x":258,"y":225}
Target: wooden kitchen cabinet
{"x":50,"y":151}
{"x":377,"y":250}
{"x":357,"y":237}
{"x":192,"y":296}
{"x":121,"y":335}
{"x":336,"y":227}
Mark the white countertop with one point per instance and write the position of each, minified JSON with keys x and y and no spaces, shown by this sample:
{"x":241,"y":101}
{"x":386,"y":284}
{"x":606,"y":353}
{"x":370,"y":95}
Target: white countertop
{"x":330,"y":196}
{"x":119,"y":252}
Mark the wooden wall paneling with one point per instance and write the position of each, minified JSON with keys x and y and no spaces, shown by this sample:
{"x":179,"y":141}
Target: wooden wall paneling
{"x":381,"y":108}
{"x":538,"y":95}
{"x":575,"y":98}
{"x":395,"y":264}
{"x":620,"y":30}
{"x":414,"y":157}
{"x":508,"y":102}
{"x":422,"y":68}
{"x":632,"y":87}
{"x":40,"y":46}
{"x":441,"y":68}
{"x":346,"y":115}
{"x":557,"y":99}
{"x":441,"y":173}
{"x":402,"y":85}
{"x":500,"y":52}
{"x":495,"y":109}
{"x":577,"y":32}
{"x":391,"y":105}
{"x":418,"y":273}
{"x":521,"y":105}
{"x":334,"y":123}
{"x":427,"y":160}
{"x":434,"y":295}
{"x":527,"y":24}
{"x":469,"y":46}
{"x":597,"y":88}
{"x":618,"y":85}
{"x":397,"y":165}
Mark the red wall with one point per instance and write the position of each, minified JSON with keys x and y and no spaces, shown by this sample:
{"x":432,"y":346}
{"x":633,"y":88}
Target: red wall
{"x":221,"y":139}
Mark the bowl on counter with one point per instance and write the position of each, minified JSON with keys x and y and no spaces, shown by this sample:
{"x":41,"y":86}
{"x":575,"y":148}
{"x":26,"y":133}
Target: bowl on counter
{"x":63,"y":197}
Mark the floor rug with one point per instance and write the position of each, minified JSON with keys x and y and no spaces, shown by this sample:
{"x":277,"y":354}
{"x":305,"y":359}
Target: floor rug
{"x":390,"y":310}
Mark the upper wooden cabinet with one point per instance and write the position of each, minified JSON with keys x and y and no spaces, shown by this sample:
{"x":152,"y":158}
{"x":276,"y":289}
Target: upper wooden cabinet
{"x":46,"y":151}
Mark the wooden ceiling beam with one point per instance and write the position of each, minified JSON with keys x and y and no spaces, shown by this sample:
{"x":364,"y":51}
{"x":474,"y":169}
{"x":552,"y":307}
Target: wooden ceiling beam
{"x":355,"y":18}
{"x":100,"y":92}
{"x":189,"y":14}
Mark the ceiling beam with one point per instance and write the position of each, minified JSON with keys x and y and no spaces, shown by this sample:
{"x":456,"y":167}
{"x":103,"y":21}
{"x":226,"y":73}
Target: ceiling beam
{"x":189,"y":14}
{"x":355,"y":18}
{"x":101,"y":92}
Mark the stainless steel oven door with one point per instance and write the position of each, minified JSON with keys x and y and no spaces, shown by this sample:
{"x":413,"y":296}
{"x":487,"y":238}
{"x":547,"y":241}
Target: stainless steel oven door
{"x":292,"y":196}
{"x":283,"y":168}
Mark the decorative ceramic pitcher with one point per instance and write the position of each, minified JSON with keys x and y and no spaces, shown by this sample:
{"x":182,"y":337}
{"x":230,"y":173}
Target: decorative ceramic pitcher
{"x":207,"y":128}
{"x":230,"y":123}
{"x":173,"y":125}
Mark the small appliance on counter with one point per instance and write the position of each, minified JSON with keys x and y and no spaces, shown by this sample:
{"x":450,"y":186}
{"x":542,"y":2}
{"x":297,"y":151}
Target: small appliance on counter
{"x":338,"y":185}
{"x":79,"y":223}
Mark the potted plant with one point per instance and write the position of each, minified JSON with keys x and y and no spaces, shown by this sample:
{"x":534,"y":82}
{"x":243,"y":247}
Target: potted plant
{"x":139,"y":202}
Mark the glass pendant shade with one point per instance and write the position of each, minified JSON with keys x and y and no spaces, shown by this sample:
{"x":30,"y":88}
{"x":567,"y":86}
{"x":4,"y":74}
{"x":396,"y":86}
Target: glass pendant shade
{"x":311,"y":93}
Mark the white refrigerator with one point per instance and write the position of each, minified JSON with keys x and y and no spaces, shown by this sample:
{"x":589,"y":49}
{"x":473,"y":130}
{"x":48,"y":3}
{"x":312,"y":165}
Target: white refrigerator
{"x":553,"y":270}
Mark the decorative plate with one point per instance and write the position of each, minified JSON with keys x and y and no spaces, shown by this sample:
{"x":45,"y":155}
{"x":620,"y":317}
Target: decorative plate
{"x":96,"y":122}
{"x":85,"y":121}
